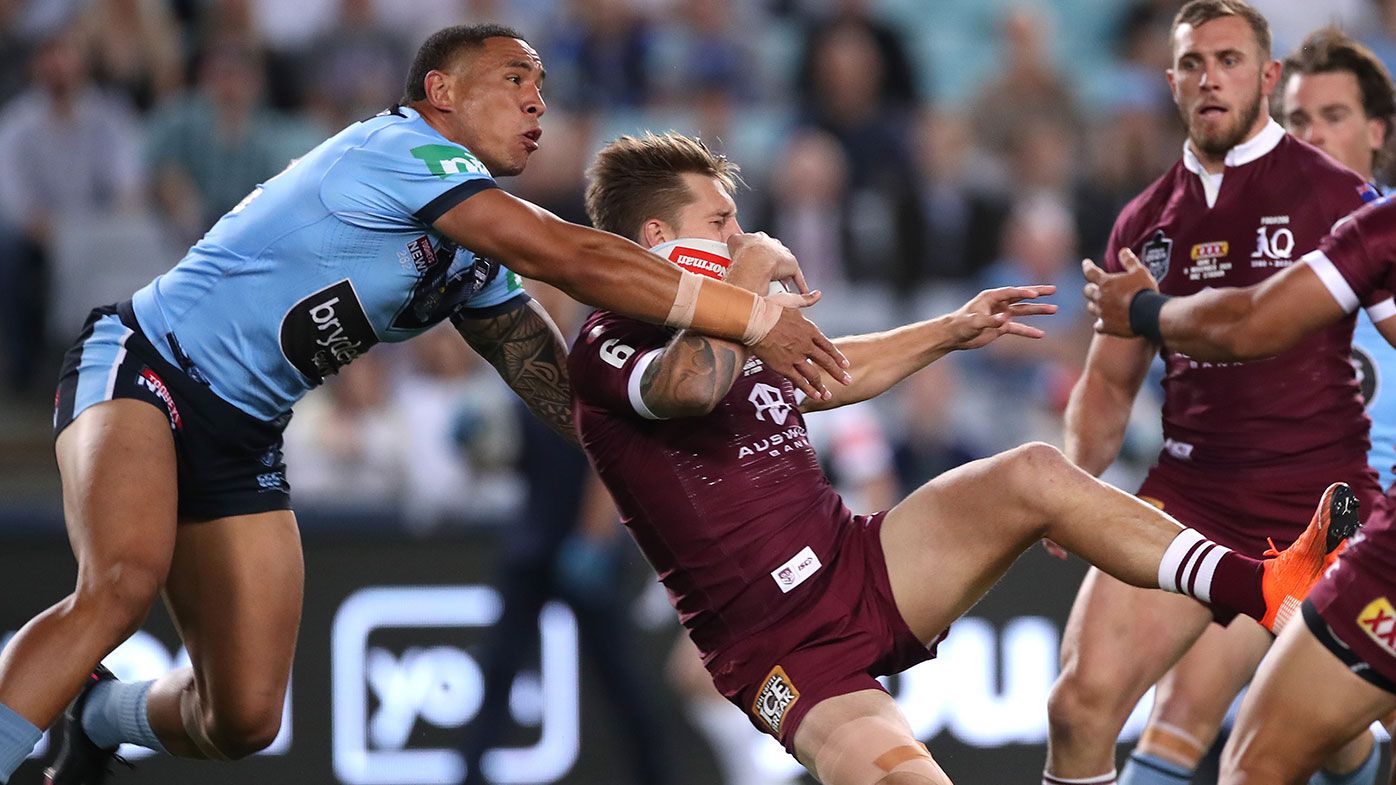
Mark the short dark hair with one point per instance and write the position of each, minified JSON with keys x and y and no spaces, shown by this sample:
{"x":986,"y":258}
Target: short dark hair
{"x":1200,"y":12}
{"x":441,"y":49}
{"x":634,"y":179}
{"x":1331,"y":50}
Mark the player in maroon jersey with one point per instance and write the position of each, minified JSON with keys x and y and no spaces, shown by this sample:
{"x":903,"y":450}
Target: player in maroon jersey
{"x":1337,"y":96}
{"x":1245,"y":445}
{"x":794,"y":602}
{"x":1331,"y":677}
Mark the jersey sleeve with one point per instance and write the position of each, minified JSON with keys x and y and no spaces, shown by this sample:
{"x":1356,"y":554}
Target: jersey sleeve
{"x":1347,"y":268}
{"x":1118,"y":239}
{"x":608,"y":360}
{"x":402,"y":178}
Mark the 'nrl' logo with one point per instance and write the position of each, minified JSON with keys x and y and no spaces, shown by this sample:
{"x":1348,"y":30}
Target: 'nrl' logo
{"x":444,"y":160}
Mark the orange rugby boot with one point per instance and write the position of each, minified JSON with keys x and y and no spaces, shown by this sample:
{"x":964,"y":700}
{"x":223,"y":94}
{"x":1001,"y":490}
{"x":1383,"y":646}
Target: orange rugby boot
{"x":1291,"y":573}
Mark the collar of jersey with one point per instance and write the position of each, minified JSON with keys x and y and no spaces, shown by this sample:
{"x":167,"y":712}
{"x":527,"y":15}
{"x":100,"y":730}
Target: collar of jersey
{"x":1243,"y":153}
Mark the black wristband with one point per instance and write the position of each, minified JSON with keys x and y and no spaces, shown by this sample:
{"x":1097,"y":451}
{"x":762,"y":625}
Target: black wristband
{"x":1144,"y":311}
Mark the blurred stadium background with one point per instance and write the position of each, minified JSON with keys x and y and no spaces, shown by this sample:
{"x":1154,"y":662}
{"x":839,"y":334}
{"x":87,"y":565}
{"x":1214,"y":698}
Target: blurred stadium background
{"x":909,"y":151}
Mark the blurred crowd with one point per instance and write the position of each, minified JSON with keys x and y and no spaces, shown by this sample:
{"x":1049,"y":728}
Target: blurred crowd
{"x":910,"y":152}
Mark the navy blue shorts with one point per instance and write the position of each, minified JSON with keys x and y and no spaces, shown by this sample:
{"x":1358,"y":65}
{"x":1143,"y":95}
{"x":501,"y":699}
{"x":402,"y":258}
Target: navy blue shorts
{"x":229,"y":462}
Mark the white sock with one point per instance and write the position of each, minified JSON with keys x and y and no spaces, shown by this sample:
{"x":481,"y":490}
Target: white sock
{"x":1099,"y":779}
{"x":1189,"y":564}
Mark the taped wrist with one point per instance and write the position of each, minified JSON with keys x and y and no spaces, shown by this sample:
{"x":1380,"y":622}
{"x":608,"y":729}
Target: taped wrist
{"x":1144,"y":312}
{"x":685,"y":301}
{"x":721,"y":310}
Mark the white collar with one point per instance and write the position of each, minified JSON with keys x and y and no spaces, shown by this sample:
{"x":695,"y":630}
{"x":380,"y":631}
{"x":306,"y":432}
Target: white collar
{"x":1243,"y":153}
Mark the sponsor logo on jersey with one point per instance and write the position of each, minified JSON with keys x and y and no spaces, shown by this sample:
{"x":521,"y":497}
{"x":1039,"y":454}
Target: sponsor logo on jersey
{"x":1274,"y":242}
{"x":419,"y":256}
{"x":1180,"y":450}
{"x":326,"y":331}
{"x":151,"y":381}
{"x":771,"y":401}
{"x":1368,"y":192}
{"x":788,"y":440}
{"x":777,"y":695}
{"x":444,"y":160}
{"x":797,"y":570}
{"x":1155,"y":254}
{"x":752,"y":365}
{"x":1210,"y":250}
{"x":1378,"y":620}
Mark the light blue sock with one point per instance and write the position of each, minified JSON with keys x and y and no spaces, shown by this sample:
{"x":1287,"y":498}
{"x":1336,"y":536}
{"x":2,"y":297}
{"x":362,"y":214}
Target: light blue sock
{"x":115,"y":712}
{"x":17,"y":739}
{"x":1146,"y":769}
{"x":1366,"y":774}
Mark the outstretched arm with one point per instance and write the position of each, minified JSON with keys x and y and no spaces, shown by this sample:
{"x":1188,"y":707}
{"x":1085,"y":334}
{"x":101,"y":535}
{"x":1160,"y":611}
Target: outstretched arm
{"x":611,"y":272}
{"x":526,"y":348}
{"x":885,"y":358}
{"x":1225,"y":324}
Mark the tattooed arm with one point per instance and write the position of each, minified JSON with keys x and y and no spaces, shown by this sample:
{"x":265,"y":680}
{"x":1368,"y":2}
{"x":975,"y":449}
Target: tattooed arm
{"x":694,"y":371}
{"x":528,"y":351}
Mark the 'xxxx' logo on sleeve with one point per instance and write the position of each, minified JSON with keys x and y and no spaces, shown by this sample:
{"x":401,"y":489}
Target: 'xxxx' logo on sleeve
{"x":1378,"y":620}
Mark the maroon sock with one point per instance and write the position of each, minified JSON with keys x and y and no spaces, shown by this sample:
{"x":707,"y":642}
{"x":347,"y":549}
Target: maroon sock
{"x":1236,"y":588}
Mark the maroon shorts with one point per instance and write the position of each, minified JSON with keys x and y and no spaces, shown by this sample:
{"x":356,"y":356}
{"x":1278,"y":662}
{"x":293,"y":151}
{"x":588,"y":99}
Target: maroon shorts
{"x":1241,"y":508}
{"x":847,"y":632}
{"x":1357,"y":598}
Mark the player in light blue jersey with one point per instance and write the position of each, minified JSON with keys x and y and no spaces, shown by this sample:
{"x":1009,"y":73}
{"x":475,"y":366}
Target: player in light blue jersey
{"x":1337,"y":96}
{"x":170,"y":407}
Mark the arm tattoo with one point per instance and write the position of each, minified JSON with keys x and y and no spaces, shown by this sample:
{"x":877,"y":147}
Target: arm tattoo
{"x":694,"y":372}
{"x":529,"y":353}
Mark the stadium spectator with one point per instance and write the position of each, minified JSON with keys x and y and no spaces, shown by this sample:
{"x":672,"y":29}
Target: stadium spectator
{"x":67,"y":149}
{"x":1039,"y":245}
{"x":347,"y":446}
{"x":962,"y":201}
{"x":352,"y":67}
{"x":807,"y":206}
{"x":136,"y":49}
{"x":209,"y":149}
{"x":1028,"y":90}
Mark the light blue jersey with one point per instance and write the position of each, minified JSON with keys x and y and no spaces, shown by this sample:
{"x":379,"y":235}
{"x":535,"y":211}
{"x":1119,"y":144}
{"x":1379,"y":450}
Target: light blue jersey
{"x":1375,"y":361}
{"x":322,"y":261}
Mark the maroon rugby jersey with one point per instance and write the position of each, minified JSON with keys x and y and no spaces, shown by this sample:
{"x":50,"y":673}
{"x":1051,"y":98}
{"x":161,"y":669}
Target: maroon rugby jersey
{"x":731,"y":508}
{"x":1357,"y":263}
{"x":1277,"y":199}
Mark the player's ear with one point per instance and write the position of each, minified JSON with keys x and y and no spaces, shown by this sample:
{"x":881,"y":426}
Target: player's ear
{"x":1376,"y":133}
{"x":438,"y":88}
{"x":1270,"y":77}
{"x":654,"y":232}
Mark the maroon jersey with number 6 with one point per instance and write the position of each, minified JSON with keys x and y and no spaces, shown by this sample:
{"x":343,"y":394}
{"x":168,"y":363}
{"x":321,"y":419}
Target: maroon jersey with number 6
{"x":732,"y":508}
{"x":1273,"y":203}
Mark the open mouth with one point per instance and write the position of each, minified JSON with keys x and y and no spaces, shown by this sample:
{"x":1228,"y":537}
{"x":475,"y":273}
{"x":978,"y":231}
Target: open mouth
{"x":1212,"y":110}
{"x":531,"y":139}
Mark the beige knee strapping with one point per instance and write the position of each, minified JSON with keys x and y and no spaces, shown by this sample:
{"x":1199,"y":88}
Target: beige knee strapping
{"x":870,"y":750}
{"x":1173,"y":742}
